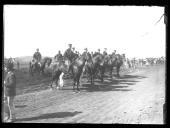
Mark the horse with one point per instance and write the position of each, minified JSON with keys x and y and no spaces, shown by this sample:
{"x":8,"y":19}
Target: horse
{"x":66,"y":66}
{"x":39,"y":67}
{"x":112,"y":61}
{"x":95,"y":66}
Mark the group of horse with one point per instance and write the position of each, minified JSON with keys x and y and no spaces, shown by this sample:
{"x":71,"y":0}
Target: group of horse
{"x":94,"y":66}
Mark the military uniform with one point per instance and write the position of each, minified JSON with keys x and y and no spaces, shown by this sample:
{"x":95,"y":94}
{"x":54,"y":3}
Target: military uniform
{"x":10,"y":84}
{"x":69,"y":54}
{"x":85,"y":52}
{"x":37,"y":56}
{"x":58,"y":57}
{"x":104,"y":53}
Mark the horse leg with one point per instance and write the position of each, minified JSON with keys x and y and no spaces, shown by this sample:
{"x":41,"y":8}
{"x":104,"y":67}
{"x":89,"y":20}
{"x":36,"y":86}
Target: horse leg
{"x":92,"y":73}
{"x":54,"y":76}
{"x":78,"y":83}
{"x":102,"y":75}
{"x":57,"y":84}
{"x":118,"y":68}
{"x":74,"y":83}
{"x":30,"y":70}
{"x":51,"y":85}
{"x":61,"y":81}
{"x":91,"y":79}
{"x":42,"y":72}
{"x":111,"y":68}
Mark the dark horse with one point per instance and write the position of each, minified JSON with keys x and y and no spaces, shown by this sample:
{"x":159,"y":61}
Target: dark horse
{"x":97,"y":65}
{"x":62,"y":67}
{"x":114,"y":61}
{"x":39,"y":66}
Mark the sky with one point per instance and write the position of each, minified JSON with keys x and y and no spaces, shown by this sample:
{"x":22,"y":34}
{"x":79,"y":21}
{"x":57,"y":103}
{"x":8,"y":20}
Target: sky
{"x":127,"y":29}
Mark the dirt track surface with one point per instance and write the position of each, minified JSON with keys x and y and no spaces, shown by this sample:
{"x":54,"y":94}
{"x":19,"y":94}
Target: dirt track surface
{"x":134,"y":98}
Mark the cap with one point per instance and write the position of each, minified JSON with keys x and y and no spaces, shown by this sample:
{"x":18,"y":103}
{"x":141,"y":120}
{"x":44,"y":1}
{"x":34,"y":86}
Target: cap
{"x":69,"y":44}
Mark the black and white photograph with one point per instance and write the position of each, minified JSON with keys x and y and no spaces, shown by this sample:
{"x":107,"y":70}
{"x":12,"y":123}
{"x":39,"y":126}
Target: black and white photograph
{"x":84,"y":64}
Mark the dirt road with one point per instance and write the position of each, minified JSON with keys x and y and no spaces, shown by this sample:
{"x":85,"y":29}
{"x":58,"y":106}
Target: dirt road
{"x":135,"y":98}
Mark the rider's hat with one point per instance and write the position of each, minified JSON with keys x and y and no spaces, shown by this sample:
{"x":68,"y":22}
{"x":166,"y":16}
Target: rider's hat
{"x":37,"y":49}
{"x":86,"y":49}
{"x":70,"y":45}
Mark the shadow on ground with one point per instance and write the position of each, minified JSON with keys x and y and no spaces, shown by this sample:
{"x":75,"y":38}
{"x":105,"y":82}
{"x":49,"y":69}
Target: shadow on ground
{"x":20,"y":106}
{"x":50,"y":115}
{"x":132,"y":76}
{"x":119,"y":84}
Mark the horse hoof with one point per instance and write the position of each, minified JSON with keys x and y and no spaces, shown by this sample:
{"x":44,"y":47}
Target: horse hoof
{"x":74,"y":91}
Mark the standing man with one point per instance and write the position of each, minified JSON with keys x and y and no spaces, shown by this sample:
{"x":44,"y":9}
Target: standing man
{"x":10,"y":91}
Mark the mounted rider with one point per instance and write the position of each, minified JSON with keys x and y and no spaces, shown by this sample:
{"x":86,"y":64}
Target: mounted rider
{"x":69,"y":54}
{"x":105,"y":52}
{"x":92,"y":54}
{"x":85,"y":52}
{"x":37,"y":56}
{"x":10,"y":60}
{"x":114,"y":53}
{"x":73,"y":49}
{"x":75,"y":53}
{"x":98,"y":52}
{"x":59,"y":56}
